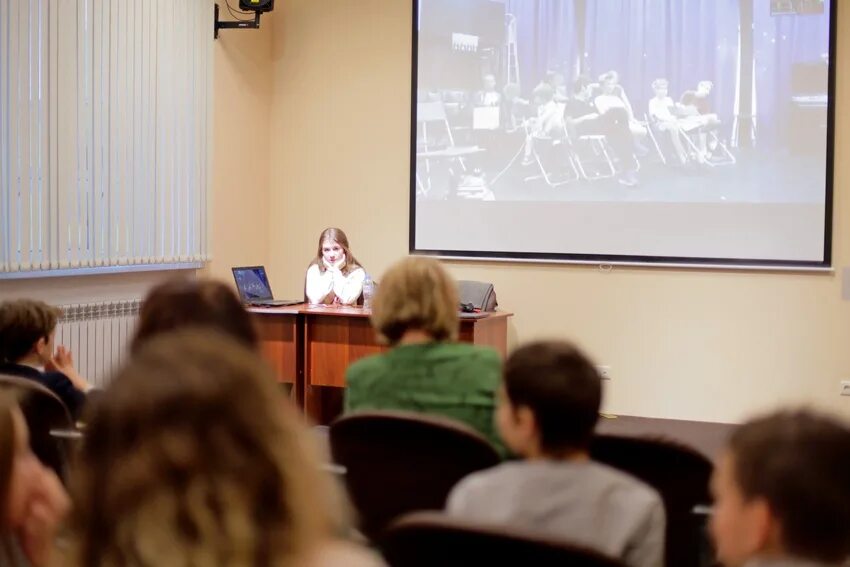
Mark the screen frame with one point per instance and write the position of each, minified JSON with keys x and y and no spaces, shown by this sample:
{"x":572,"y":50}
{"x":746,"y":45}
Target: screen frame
{"x":630,"y":260}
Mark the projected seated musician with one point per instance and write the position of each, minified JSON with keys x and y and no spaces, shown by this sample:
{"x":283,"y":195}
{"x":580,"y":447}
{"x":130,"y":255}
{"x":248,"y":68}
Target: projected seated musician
{"x":582,"y":118}
{"x":612,"y":95}
{"x":662,"y":112}
{"x":696,"y":103}
{"x":514,"y":110}
{"x":488,"y":96}
{"x":549,"y":121}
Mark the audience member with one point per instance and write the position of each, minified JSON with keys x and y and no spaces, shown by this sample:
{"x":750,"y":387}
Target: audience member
{"x":27,"y":333}
{"x":582,"y":118}
{"x":334,"y":276}
{"x":181,"y":303}
{"x":192,"y":457}
{"x":427,"y":371}
{"x":782,"y":498}
{"x":32,"y":500}
{"x":548,"y":407}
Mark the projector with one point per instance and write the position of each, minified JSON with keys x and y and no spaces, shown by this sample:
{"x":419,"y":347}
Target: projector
{"x":256,"y":5}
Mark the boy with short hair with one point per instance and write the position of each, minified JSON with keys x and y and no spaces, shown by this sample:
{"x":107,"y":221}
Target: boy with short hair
{"x":27,"y":330}
{"x":782,"y":493}
{"x":548,"y":407}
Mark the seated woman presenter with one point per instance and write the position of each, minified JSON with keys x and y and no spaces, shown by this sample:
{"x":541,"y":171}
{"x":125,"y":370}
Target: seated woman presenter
{"x":427,"y":370}
{"x":334,"y":277}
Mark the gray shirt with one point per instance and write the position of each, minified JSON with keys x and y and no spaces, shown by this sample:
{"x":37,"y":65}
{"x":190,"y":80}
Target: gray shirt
{"x":584,"y":503}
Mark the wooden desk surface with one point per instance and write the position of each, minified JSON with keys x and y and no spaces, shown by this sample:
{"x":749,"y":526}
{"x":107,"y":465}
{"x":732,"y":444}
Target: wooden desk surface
{"x":348,"y":311}
{"x":310,"y":346}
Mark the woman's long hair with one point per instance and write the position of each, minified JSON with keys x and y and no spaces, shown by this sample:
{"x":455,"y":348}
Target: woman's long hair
{"x":338,"y":236}
{"x":193,"y":457}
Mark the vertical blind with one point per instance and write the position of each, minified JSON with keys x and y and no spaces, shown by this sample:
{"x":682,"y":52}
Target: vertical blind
{"x":105,"y":129}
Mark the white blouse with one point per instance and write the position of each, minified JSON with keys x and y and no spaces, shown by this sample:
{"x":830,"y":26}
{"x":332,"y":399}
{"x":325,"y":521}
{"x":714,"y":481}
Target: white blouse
{"x":346,"y":288}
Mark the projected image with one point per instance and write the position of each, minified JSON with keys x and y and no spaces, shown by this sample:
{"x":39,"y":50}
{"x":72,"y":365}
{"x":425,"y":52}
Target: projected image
{"x":622,"y":100}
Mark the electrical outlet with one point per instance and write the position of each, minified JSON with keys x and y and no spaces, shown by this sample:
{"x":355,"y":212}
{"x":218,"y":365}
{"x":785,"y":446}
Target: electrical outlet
{"x":845,"y":387}
{"x":605,"y":374}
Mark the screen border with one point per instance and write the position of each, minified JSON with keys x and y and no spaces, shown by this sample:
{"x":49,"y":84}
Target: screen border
{"x":617,"y":259}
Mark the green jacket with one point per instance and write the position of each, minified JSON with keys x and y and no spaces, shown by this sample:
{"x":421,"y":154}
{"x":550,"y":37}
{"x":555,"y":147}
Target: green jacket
{"x":454,"y":380}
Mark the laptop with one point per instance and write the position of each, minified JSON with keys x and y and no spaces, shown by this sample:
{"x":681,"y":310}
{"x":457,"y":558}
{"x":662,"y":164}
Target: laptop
{"x":254,"y":288}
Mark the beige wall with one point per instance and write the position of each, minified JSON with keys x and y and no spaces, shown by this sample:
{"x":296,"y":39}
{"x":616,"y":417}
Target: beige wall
{"x":707,"y":345}
{"x":239,"y":216}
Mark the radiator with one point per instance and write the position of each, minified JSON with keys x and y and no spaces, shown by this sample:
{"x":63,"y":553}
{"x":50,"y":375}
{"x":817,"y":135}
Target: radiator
{"x":98,"y":335}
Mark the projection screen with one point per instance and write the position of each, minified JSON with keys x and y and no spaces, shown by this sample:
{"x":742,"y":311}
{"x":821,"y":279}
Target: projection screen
{"x":619,"y":131}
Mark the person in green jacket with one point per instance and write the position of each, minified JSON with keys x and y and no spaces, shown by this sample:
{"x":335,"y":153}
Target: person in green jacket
{"x":427,"y":370}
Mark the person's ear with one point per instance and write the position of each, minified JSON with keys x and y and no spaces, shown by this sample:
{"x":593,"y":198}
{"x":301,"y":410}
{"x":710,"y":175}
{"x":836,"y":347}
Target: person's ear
{"x":525,"y":421}
{"x":763,"y":531}
{"x":41,"y":348}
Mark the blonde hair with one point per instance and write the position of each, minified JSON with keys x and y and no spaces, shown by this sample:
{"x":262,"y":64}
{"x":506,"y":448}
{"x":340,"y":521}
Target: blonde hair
{"x":192,"y":457}
{"x":336,"y":235}
{"x":416,"y":293}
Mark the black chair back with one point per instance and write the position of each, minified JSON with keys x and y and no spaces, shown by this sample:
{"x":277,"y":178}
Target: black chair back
{"x":681,"y":476}
{"x":400,"y":462}
{"x":44,"y":411}
{"x":426,"y":539}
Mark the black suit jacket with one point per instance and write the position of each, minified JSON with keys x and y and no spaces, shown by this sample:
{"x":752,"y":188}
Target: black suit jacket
{"x":56,"y":382}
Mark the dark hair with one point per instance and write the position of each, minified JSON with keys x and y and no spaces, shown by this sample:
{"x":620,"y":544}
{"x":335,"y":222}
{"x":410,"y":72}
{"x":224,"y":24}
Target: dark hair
{"x":22,"y":323}
{"x":560,"y":385}
{"x":580,"y":83}
{"x":194,"y":303}
{"x":8,"y":440}
{"x":799,"y":463}
{"x":543,"y":91}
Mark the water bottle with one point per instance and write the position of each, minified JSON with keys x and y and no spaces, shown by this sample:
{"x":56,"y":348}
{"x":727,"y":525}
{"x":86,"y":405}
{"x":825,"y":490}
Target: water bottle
{"x":368,"y":292}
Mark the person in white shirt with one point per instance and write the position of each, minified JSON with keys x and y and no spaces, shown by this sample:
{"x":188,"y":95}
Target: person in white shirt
{"x":662,"y":110}
{"x":613,"y":95}
{"x":334,"y":277}
{"x":549,"y":123}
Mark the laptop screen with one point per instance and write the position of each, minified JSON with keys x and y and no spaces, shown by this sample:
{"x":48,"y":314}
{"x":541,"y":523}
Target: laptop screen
{"x":253,"y":284}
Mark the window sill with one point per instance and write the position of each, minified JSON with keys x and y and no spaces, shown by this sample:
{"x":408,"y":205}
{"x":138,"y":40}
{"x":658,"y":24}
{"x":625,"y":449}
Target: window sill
{"x":38,"y":274}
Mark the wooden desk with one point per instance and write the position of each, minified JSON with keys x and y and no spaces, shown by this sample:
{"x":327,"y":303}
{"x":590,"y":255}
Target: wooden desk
{"x":311,"y":347}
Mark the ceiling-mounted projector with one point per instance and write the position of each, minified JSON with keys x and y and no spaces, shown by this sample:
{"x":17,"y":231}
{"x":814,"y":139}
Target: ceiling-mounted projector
{"x":256,"y":7}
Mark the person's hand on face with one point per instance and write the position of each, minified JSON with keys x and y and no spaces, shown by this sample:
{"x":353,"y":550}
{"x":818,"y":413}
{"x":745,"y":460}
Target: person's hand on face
{"x":333,"y":255}
{"x":37,"y":502}
{"x":62,"y":361}
{"x":47,"y":508}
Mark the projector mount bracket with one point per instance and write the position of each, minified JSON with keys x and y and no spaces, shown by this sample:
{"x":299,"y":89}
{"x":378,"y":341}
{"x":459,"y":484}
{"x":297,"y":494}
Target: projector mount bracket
{"x":235,"y":24}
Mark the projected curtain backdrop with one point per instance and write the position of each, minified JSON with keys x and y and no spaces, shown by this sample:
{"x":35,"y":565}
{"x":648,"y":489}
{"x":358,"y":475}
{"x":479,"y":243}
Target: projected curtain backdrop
{"x":799,"y":40}
{"x":547,"y":38}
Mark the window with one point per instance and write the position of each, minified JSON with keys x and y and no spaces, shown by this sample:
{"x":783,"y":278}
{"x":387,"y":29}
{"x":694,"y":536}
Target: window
{"x":105,"y":129}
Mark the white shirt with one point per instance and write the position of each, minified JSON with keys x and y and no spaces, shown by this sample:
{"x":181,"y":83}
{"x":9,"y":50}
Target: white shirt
{"x":346,"y":288}
{"x":662,"y":109}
